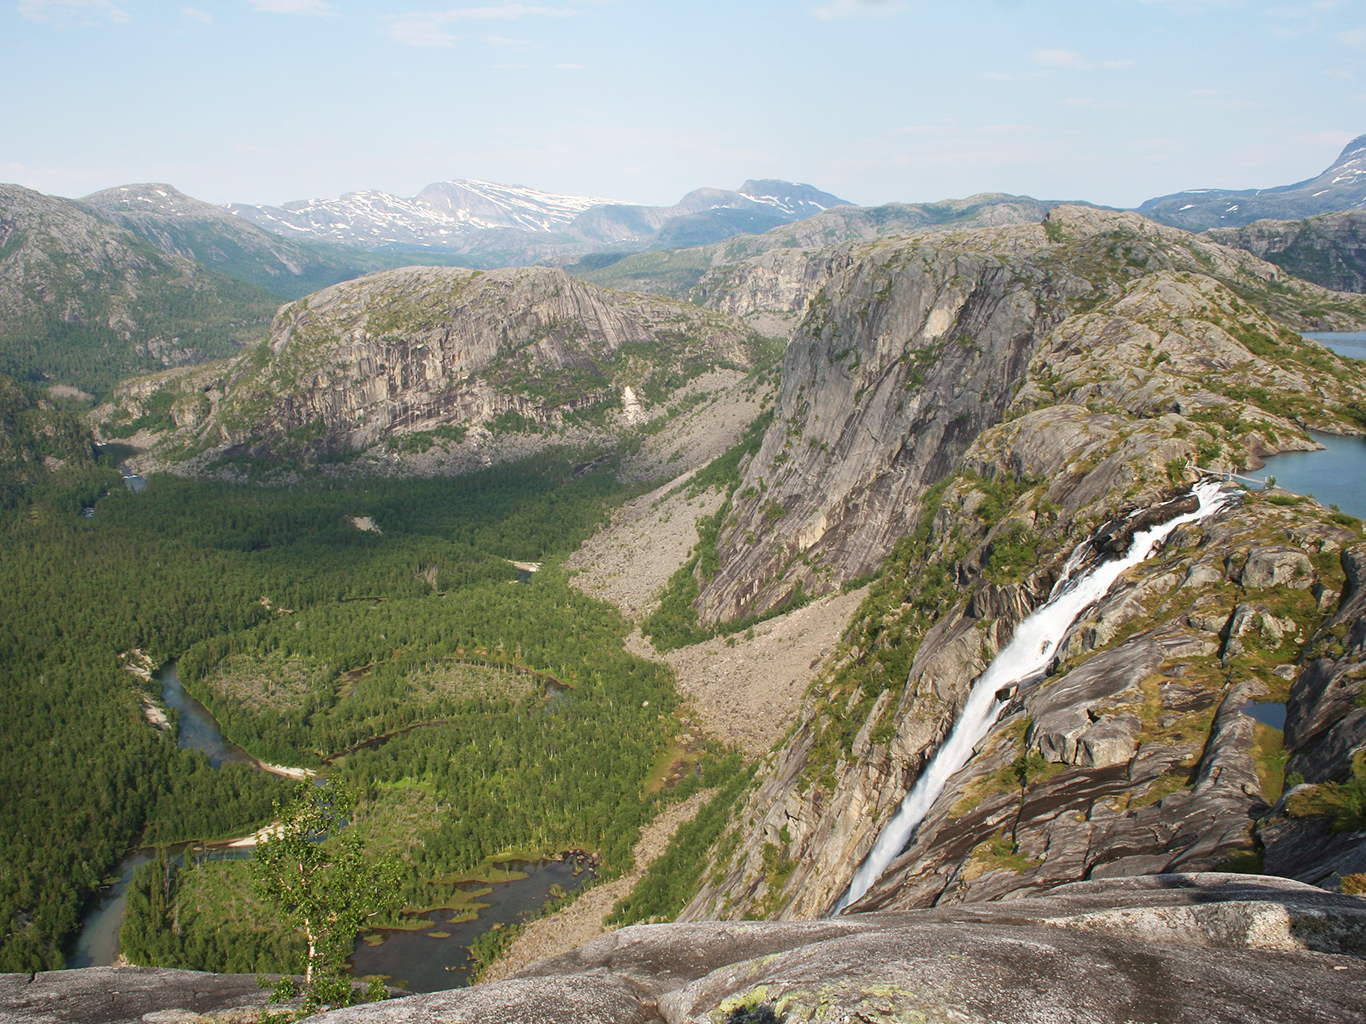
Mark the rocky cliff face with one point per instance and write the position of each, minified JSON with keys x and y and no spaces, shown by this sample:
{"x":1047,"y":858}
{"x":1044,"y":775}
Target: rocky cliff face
{"x":1075,"y":372}
{"x":915,"y":347}
{"x":1329,"y":250}
{"x":414,"y":350}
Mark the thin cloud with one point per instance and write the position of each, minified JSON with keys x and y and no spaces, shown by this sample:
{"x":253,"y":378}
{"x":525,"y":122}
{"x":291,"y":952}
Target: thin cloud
{"x":1072,"y":59}
{"x":432,"y":29}
{"x":69,"y":12}
{"x":311,"y":8}
{"x":203,"y":17}
{"x":857,"y":9}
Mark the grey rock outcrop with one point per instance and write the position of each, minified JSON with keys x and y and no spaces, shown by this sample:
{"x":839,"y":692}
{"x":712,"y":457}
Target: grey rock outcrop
{"x":1096,"y":952}
{"x":130,"y":995}
{"x":1329,"y":249}
{"x":422,"y":347}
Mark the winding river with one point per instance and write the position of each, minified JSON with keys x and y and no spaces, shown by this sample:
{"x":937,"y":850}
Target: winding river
{"x":414,"y":959}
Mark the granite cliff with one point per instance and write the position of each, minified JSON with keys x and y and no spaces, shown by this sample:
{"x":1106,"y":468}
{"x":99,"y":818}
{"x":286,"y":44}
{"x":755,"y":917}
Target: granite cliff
{"x":428,"y":356}
{"x":1329,"y":249}
{"x":979,"y":406}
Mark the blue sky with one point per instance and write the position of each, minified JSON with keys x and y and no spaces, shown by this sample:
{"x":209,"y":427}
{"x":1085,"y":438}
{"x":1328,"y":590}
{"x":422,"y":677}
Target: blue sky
{"x":263,"y":101}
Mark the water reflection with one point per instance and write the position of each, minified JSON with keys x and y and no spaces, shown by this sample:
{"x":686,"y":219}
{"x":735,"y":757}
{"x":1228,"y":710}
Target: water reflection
{"x":419,"y":962}
{"x":1334,"y":476}
{"x":198,"y":728}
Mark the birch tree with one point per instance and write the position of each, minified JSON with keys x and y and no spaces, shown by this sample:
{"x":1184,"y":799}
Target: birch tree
{"x":312,"y":868}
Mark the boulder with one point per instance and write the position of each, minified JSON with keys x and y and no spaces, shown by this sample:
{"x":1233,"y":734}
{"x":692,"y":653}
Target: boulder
{"x":1109,"y":741}
{"x":1277,"y":566}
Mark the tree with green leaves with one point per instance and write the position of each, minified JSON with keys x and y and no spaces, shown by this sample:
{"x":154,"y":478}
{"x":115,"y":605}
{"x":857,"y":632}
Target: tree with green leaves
{"x":312,"y":867}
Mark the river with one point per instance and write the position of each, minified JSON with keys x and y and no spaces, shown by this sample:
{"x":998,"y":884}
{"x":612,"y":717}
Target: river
{"x":412,"y":958}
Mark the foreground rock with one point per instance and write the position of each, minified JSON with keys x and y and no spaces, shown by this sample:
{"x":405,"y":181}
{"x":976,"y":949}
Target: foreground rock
{"x":115,"y":995}
{"x":1167,"y":947}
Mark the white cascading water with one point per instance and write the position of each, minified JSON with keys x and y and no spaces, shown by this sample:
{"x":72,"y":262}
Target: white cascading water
{"x":1026,"y":657}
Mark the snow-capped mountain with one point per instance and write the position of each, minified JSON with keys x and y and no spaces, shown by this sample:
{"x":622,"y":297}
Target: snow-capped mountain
{"x":442,"y":215}
{"x":472,"y":216}
{"x":1341,"y":187}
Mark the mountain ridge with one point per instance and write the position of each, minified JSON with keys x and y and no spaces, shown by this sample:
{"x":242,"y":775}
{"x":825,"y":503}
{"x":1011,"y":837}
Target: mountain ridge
{"x":484,"y":219}
{"x":1342,"y":186}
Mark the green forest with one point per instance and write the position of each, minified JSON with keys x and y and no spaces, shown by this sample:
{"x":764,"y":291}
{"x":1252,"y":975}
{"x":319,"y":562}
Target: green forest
{"x":477,"y":710}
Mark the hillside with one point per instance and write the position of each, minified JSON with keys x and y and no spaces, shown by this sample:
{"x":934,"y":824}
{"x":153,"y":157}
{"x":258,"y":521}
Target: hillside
{"x":1337,"y":188}
{"x":1329,"y":249}
{"x":180,"y":225}
{"x":431,"y":360}
{"x":977,"y":405}
{"x":83,"y":303}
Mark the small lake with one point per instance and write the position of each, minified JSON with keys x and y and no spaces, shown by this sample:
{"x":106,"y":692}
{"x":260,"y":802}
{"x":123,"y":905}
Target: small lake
{"x":1271,"y":713}
{"x":1334,"y":476}
{"x":417,"y":962}
{"x":1345,"y":343}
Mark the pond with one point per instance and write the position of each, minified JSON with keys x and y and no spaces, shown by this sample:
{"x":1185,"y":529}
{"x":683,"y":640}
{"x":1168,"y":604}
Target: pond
{"x":1270,"y":713}
{"x":437,"y":957}
{"x":1337,"y":474}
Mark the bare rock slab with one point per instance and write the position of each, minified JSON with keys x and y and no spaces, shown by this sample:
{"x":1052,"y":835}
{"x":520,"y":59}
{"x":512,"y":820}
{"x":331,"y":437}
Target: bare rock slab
{"x":1193,"y":949}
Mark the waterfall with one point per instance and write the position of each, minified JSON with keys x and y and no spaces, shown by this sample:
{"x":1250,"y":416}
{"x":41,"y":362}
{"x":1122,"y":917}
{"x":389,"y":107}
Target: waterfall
{"x":1025,"y":658}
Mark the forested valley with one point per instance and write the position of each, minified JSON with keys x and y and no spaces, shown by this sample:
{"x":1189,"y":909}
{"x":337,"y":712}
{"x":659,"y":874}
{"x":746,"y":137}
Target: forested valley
{"x":371,"y":629}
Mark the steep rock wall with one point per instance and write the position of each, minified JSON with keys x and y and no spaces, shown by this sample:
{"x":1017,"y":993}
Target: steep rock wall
{"x":421,"y":347}
{"x":1133,"y":757}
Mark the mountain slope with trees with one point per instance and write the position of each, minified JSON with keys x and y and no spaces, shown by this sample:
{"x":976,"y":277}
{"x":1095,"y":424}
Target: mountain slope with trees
{"x":84,"y":303}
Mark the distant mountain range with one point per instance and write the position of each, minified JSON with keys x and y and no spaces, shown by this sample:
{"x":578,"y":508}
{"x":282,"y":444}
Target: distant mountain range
{"x":180,"y":225}
{"x":510,"y":224}
{"x":1341,"y":187}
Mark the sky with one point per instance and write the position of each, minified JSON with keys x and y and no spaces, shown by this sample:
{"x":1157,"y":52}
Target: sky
{"x":266,"y":101}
